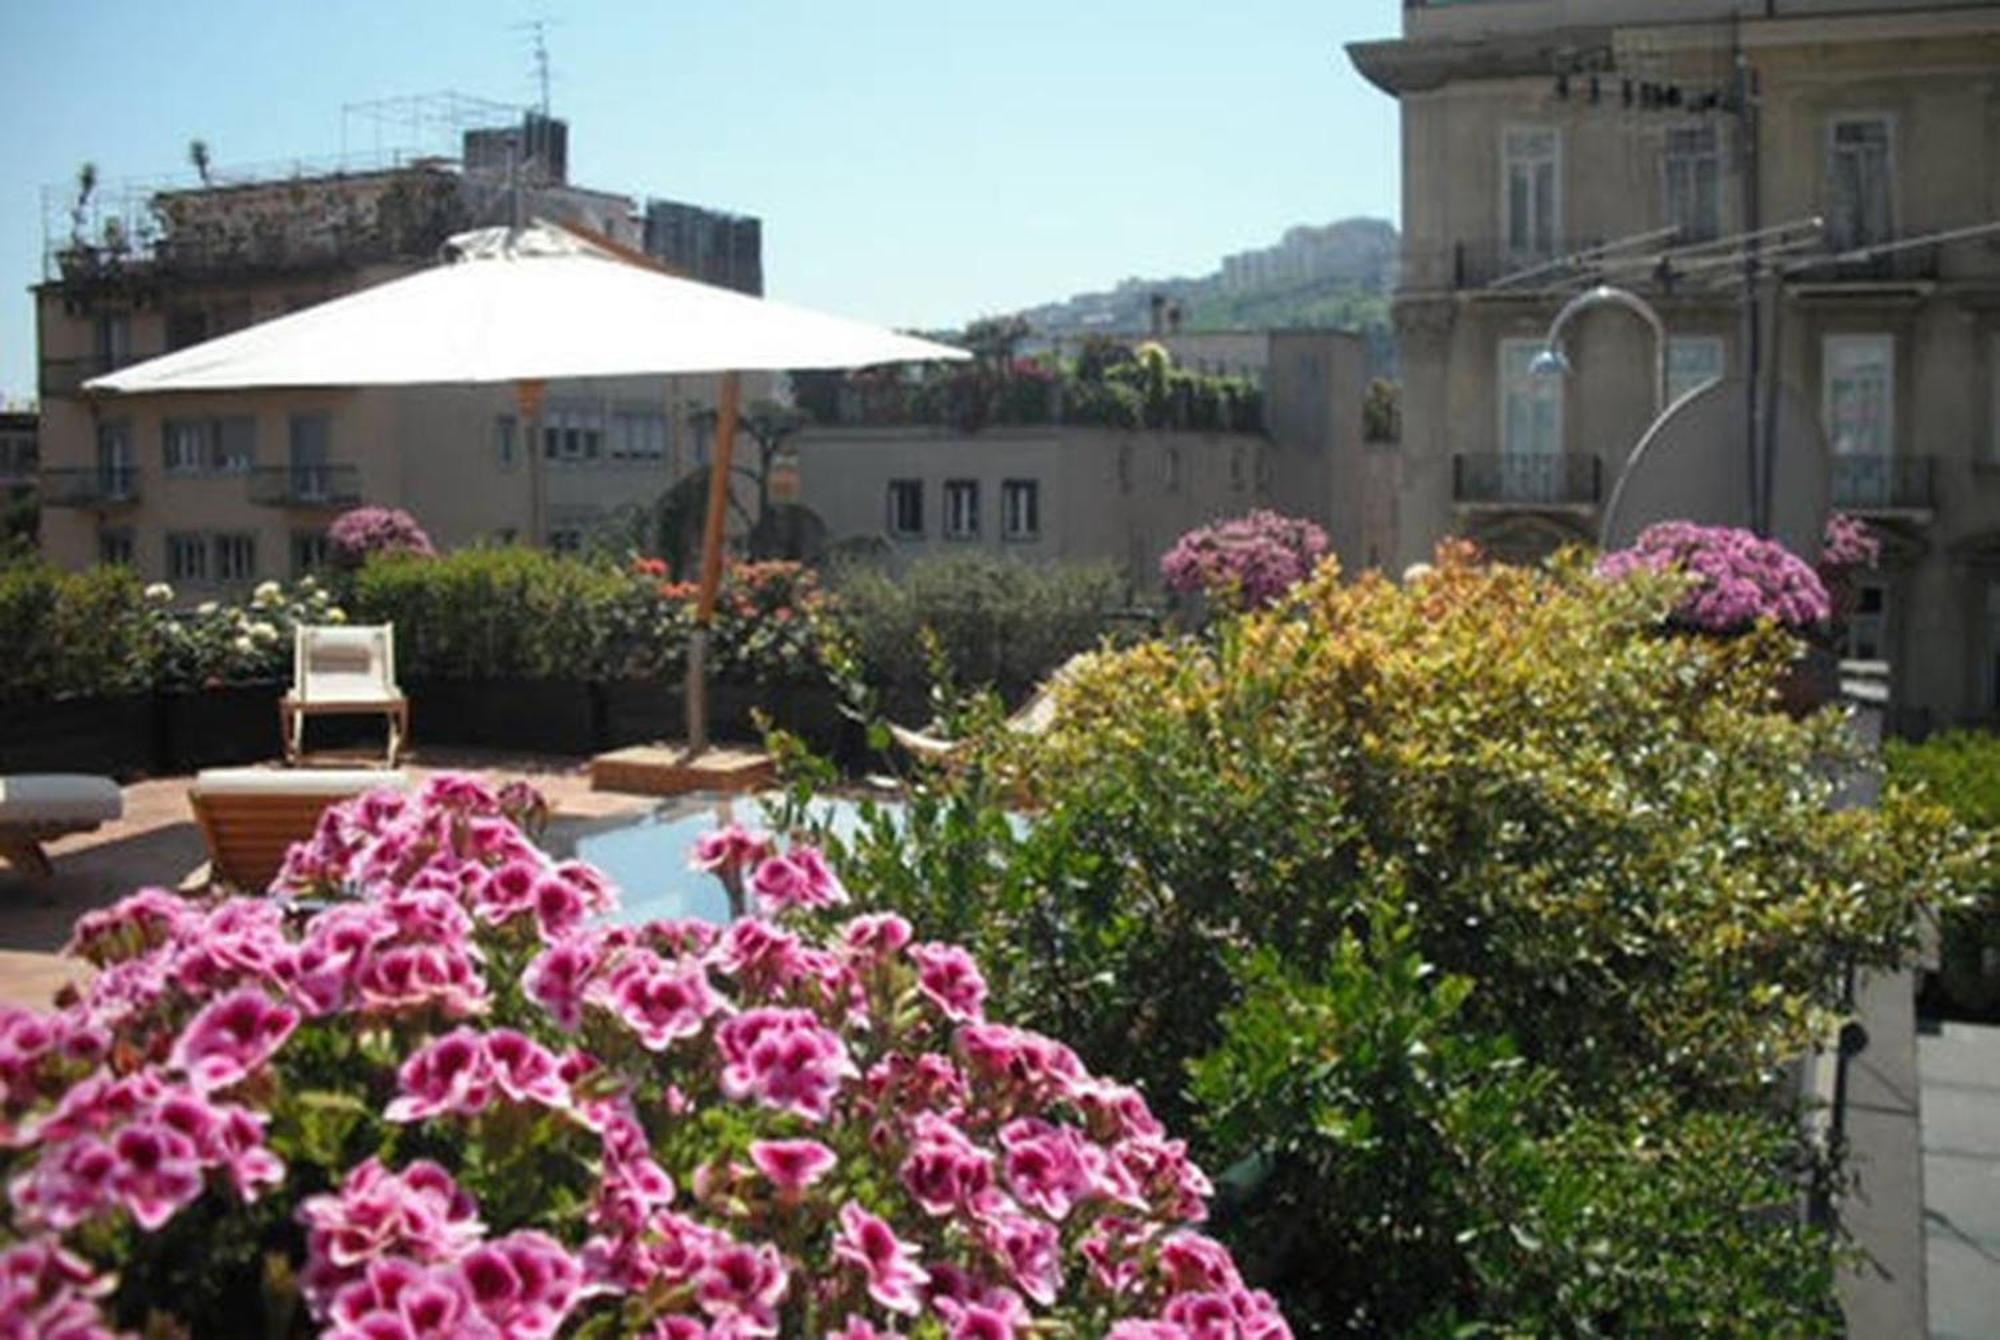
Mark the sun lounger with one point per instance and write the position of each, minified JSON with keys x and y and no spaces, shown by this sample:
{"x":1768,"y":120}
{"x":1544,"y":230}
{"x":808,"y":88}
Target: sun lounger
{"x":250,"y":817}
{"x":1033,"y":717}
{"x":40,"y":807}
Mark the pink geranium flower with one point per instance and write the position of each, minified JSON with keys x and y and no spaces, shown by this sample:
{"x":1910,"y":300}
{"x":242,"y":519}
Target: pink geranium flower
{"x":947,"y":974}
{"x":784,"y":1059}
{"x":792,"y":1165}
{"x":887,"y":1263}
{"x":232,"y":1038}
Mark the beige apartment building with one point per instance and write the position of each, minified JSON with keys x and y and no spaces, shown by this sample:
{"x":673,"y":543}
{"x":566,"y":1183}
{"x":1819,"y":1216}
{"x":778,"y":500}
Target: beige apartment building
{"x":1538,"y":135}
{"x":1080,"y":493}
{"x":212,"y":492}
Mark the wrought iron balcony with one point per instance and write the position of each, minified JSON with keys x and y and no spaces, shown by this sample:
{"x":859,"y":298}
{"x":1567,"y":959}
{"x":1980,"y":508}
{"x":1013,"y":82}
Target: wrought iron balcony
{"x":1522,"y":479}
{"x":306,"y":485}
{"x":1884,"y":483}
{"x":91,"y":486}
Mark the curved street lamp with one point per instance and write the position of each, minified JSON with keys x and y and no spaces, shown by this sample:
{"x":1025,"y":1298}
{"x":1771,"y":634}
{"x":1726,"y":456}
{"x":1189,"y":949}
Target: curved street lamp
{"x":1552,"y":362}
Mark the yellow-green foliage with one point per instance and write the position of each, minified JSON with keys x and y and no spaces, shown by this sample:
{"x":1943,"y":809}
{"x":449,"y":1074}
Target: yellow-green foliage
{"x":1610,"y":829}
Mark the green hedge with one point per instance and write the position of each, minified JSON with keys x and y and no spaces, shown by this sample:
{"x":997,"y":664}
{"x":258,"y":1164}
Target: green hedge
{"x":1961,"y":769}
{"x":998,"y":623}
{"x":74,"y":634}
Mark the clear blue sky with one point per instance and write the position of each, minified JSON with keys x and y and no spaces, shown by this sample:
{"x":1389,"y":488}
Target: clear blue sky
{"x":915,"y":162}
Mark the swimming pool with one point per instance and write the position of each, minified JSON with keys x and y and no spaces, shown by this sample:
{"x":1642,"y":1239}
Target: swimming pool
{"x":646,"y":855}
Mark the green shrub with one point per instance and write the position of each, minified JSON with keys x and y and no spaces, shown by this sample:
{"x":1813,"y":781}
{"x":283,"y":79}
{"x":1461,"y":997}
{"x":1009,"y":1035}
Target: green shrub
{"x":1617,"y":865}
{"x":73,"y":634}
{"x":1961,"y":769}
{"x":1000,"y":623}
{"x":479,"y":613}
{"x":1411,"y":1174}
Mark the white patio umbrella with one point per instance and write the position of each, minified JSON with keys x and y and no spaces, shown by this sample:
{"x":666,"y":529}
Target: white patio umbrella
{"x":527,"y":305}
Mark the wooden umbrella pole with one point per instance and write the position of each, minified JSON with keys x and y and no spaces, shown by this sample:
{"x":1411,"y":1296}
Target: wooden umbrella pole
{"x":712,"y":533}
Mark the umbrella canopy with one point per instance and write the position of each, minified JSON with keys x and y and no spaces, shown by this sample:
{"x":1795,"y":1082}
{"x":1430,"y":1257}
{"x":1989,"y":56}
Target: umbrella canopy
{"x":529,"y":306}
{"x":536,"y":304}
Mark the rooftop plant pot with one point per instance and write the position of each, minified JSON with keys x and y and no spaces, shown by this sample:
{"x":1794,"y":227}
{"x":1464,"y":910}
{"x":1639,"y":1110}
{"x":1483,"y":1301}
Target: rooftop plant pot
{"x":115,"y":737}
{"x":214,"y":727}
{"x":536,"y":716}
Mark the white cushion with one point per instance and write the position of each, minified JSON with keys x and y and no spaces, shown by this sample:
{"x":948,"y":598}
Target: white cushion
{"x":59,"y":798}
{"x":296,"y":781}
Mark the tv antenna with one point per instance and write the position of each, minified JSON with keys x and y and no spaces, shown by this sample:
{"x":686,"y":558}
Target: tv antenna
{"x":539,"y":28}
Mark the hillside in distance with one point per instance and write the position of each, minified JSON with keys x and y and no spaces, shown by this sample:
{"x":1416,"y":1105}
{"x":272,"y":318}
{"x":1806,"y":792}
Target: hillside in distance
{"x":1338,"y":275}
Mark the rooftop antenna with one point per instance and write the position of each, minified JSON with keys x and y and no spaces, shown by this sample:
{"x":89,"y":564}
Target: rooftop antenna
{"x":540,"y":30}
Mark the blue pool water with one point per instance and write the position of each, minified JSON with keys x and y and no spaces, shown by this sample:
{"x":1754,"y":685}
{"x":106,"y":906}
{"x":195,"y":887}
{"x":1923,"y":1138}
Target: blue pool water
{"x":647,"y":854}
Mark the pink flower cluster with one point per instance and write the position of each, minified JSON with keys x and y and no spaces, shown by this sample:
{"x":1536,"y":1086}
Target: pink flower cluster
{"x":1847,"y":545}
{"x":362,"y":531}
{"x":1246,"y":562}
{"x":1735,"y":578}
{"x":789,"y":1125}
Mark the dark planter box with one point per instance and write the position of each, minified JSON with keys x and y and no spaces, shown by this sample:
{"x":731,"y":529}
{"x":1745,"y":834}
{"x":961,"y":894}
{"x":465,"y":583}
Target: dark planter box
{"x":116,"y":737}
{"x":649,"y":710}
{"x":218,"y":727}
{"x":809,"y":711}
{"x":537,"y":716}
{"x":641,"y":711}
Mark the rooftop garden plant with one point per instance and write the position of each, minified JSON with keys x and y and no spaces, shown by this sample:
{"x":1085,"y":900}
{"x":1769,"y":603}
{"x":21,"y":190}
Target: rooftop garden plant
{"x":1467,"y":921}
{"x":1246,"y":562}
{"x":452,"y":1102}
{"x":1734,"y":578}
{"x":357,"y":534}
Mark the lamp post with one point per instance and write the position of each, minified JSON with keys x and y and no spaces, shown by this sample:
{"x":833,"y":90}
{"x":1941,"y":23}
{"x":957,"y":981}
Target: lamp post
{"x":1552,"y":362}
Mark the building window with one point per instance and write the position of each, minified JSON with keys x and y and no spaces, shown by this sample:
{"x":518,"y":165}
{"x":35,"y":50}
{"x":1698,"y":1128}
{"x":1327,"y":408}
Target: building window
{"x":1531,"y":405}
{"x":235,"y":558}
{"x":1692,"y":361}
{"x":115,"y":547}
{"x":1530,"y":180}
{"x":185,"y":326}
{"x":506,"y":439}
{"x":1021,"y":509}
{"x":1693,"y":166}
{"x":187,"y":558}
{"x":311,"y":552}
{"x":186,"y":445}
{"x":573,"y":433}
{"x":199,"y":446}
{"x":1867,"y":635}
{"x":1860,"y":181}
{"x":961,"y":509}
{"x":115,"y":471}
{"x":1859,"y":394}
{"x":906,"y":507}
{"x":113,"y":331}
{"x":566,"y":540}
{"x":638,"y":435}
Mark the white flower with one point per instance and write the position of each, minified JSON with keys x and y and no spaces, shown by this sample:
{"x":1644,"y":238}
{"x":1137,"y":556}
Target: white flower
{"x":336,"y":615}
{"x":263,"y":632}
{"x":308,"y":583}
{"x":205,"y":608}
{"x":267,"y":593}
{"x":159,"y":592}
{"x":244,"y":645}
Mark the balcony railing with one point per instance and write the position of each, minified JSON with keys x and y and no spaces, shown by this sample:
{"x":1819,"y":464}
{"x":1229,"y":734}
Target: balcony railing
{"x":66,"y":376}
{"x":1522,"y":479}
{"x":306,"y":485}
{"x":91,"y":486}
{"x":1884,"y":483}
